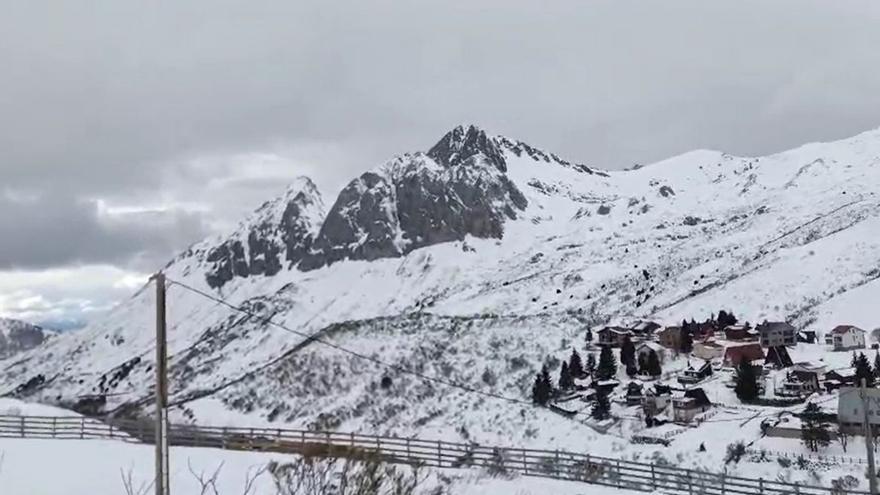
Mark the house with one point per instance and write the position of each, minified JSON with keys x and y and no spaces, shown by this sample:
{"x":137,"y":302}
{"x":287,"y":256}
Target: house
{"x":634,"y":393}
{"x":846,"y":338}
{"x":613,"y":336}
{"x":644,"y":349}
{"x":686,"y":408}
{"x":775,"y":333}
{"x":605,"y":386}
{"x":737,"y":353}
{"x":656,"y":400}
{"x":694,"y":375}
{"x":669,"y":337}
{"x":799,"y":383}
{"x":841,"y":377}
{"x":850,"y":410}
{"x":778,"y":357}
{"x":708,"y":350}
{"x":807,"y":336}
{"x":644,"y":328}
{"x":739,"y":333}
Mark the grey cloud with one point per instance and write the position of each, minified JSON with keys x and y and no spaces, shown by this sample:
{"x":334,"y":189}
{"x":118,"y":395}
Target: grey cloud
{"x":56,"y":230}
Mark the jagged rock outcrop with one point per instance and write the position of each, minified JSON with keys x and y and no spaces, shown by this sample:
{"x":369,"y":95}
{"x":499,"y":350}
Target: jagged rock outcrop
{"x":18,"y":336}
{"x":278,"y":234}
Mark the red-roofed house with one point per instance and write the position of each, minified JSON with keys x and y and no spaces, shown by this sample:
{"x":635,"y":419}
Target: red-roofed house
{"x":735,"y":354}
{"x":846,"y":338}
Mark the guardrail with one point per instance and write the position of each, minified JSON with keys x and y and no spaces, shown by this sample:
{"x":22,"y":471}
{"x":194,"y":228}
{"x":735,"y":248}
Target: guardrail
{"x":556,"y":464}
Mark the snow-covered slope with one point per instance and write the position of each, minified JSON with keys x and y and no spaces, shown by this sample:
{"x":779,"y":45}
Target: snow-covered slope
{"x":476,"y":262}
{"x":19,"y":336}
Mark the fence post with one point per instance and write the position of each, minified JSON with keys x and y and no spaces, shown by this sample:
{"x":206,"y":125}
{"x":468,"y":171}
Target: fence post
{"x":761,"y":486}
{"x":619,"y":475}
{"x":525,"y":463}
{"x":54,"y":427}
{"x":439,"y":454}
{"x":654,"y":479}
{"x":408,"y":451}
{"x":82,"y":428}
{"x":723,"y":483}
{"x":556,"y":464}
{"x":690,"y":483}
{"x":22,"y":427}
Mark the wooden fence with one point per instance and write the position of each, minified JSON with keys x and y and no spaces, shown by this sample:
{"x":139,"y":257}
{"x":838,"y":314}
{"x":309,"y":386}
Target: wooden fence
{"x":555,"y":464}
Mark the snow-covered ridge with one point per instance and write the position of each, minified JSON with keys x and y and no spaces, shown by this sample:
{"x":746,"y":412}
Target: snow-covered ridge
{"x":478,"y":263}
{"x":19,"y":336}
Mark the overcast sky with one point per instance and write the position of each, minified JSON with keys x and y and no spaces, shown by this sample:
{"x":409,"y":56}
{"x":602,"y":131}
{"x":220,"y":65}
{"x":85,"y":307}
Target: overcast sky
{"x":129,"y":130}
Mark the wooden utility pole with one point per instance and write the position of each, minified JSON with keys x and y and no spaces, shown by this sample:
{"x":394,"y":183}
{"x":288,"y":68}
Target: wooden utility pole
{"x":162,"y":463}
{"x":869,"y":438}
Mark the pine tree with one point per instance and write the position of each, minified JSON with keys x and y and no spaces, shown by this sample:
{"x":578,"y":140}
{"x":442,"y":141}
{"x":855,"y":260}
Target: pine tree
{"x":864,"y":371}
{"x":565,"y":380}
{"x":601,"y":406}
{"x":542,"y":389}
{"x":652,"y":363}
{"x":687,"y":341}
{"x":589,"y":338}
{"x":725,"y":319}
{"x":575,"y":365}
{"x":591,"y":364}
{"x":607,"y":368}
{"x":814,"y":431}
{"x":627,"y":352}
{"x":746,"y":382}
{"x":631,"y":370}
{"x":876,"y":366}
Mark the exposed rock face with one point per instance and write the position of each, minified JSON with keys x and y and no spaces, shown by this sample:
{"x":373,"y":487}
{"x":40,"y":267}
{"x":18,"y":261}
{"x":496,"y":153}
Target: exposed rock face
{"x":279,"y":232}
{"x":458,"y":188}
{"x":18,"y":336}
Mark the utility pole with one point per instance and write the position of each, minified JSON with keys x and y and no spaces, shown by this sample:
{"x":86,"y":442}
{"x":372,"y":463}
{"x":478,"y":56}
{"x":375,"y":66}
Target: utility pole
{"x":162,"y":463}
{"x":869,"y":439}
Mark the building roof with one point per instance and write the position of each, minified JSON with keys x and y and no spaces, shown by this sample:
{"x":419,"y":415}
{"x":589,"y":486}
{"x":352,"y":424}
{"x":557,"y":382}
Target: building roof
{"x":844,"y":372}
{"x":841,"y":329}
{"x":654,"y":346}
{"x":751,"y":351}
{"x":769,"y":326}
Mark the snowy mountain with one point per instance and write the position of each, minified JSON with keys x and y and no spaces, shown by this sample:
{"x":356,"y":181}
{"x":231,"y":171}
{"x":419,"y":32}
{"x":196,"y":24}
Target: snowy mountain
{"x":475,"y":262}
{"x":18,"y":336}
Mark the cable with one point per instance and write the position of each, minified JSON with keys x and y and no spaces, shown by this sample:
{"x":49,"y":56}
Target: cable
{"x":466,"y":388}
{"x":314,"y":338}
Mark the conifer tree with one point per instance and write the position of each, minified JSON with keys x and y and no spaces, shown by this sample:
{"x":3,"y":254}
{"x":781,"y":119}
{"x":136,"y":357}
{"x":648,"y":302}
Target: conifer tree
{"x":575,"y":365}
{"x":607,"y":367}
{"x":746,"y":382}
{"x":627,"y":353}
{"x":814,"y":431}
{"x":652,"y":363}
{"x":565,"y":380}
{"x":686,"y":345}
{"x":542,"y":389}
{"x":876,"y":366}
{"x":589,"y":337}
{"x":601,"y":406}
{"x":631,"y":370}
{"x":864,"y":371}
{"x":590,"y":367}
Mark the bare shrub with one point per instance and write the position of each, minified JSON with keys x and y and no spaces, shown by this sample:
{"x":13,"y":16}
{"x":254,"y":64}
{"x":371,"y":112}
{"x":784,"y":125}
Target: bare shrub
{"x":314,"y":476}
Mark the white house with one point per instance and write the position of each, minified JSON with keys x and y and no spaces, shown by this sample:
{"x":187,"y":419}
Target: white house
{"x":846,"y":338}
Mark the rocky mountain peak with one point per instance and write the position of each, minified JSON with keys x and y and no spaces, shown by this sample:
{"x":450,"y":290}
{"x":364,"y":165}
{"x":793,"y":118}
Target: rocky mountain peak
{"x":468,"y":144}
{"x":18,"y":336}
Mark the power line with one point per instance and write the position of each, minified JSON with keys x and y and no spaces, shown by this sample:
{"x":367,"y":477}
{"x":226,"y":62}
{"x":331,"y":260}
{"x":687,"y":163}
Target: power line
{"x":314,"y":338}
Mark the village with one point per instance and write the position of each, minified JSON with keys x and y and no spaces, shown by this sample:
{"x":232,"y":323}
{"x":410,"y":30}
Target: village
{"x":664,"y":380}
